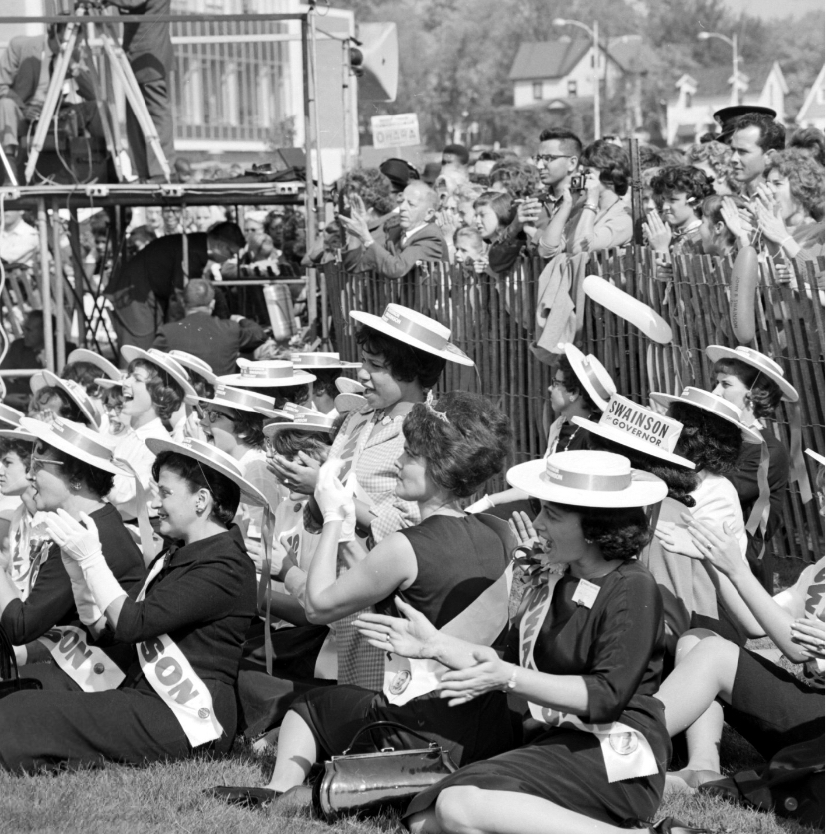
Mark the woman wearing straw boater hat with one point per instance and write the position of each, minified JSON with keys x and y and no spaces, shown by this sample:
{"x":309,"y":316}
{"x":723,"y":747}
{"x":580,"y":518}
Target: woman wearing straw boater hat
{"x":327,"y":368}
{"x":770,"y":706}
{"x":587,"y":655}
{"x":712,"y":437}
{"x":277,"y":378}
{"x":756,"y":384}
{"x":84,"y":367}
{"x":71,"y":471}
{"x":56,"y":397}
{"x":581,"y":388}
{"x":187,"y":624}
{"x":403,"y":355}
{"x":233,"y":421}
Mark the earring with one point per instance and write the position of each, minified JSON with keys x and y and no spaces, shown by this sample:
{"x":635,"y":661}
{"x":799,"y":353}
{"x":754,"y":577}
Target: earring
{"x":199,"y":510}
{"x":75,"y":485}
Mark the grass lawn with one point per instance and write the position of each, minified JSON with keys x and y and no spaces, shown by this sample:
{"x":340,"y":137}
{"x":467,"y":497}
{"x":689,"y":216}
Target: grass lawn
{"x":167,"y":798}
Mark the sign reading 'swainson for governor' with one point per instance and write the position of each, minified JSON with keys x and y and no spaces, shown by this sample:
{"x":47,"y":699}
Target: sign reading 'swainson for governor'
{"x":395,"y":131}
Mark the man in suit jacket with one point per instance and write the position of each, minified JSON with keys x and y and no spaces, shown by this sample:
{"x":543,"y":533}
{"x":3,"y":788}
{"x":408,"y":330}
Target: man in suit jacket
{"x":217,"y":341}
{"x":420,"y":240}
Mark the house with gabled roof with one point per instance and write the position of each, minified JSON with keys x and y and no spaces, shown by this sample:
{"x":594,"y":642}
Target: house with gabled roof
{"x":548,"y":72}
{"x":812,"y":112}
{"x":700,"y":93}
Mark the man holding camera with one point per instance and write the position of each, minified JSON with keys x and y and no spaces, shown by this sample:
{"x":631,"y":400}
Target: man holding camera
{"x":557,"y":159}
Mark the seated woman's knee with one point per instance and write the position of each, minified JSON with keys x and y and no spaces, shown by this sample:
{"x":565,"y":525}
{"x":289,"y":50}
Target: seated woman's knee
{"x":455,"y":810}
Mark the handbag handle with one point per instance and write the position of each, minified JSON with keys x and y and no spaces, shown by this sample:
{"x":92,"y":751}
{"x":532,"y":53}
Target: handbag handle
{"x":8,"y":660}
{"x":373,"y":725}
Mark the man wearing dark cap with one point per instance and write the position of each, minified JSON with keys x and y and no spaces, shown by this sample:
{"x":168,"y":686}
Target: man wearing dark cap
{"x":218,"y":342}
{"x":754,"y":140}
{"x":399,"y":172}
{"x":727,"y":116}
{"x":456,"y":157}
{"x":142,"y":290}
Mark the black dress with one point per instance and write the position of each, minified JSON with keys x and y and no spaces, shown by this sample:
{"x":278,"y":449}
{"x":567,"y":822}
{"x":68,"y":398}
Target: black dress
{"x":617,"y":646}
{"x":458,"y":558}
{"x":51,"y":602}
{"x":204,"y":599}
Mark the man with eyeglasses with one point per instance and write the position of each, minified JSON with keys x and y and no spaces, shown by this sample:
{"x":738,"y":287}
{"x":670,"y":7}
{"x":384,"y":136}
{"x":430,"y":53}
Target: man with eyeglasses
{"x":557,"y":160}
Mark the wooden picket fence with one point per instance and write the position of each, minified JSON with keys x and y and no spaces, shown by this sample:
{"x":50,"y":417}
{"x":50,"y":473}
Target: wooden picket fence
{"x":492,"y":320}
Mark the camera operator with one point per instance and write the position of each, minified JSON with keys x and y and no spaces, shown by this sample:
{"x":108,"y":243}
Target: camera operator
{"x":26,"y":68}
{"x":592,"y":214}
{"x":148,"y":45}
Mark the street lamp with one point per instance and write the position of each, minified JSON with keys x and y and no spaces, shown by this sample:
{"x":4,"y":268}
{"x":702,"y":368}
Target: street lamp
{"x":732,"y":42}
{"x":594,"y":34}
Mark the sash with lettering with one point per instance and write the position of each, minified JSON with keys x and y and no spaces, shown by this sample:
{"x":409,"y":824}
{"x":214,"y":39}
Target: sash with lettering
{"x":625,"y":751}
{"x":172,"y":677}
{"x":88,"y":666}
{"x":481,"y":623}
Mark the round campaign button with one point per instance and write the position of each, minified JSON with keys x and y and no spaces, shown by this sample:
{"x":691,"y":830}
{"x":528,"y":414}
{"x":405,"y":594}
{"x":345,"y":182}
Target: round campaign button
{"x":624,"y":743}
{"x":98,"y":668}
{"x":203,"y":712}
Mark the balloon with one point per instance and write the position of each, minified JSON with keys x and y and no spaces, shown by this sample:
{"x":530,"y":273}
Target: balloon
{"x":743,"y":295}
{"x":627,"y":307}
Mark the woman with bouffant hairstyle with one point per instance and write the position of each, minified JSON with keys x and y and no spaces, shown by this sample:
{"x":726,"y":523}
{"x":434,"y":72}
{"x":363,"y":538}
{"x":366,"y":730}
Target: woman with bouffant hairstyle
{"x":442,"y":566}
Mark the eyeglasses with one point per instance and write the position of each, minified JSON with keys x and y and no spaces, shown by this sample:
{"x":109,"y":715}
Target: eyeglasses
{"x":557,"y":383}
{"x":549,"y":157}
{"x":114,"y":409}
{"x":36,"y":463}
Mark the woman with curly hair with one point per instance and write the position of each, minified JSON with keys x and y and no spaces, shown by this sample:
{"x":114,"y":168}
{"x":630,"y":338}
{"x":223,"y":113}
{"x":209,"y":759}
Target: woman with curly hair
{"x":712,"y":158}
{"x":586,"y":654}
{"x":679,"y":192}
{"x":442,"y":566}
{"x":791,"y":217}
{"x":711,"y":438}
{"x":599,"y":219}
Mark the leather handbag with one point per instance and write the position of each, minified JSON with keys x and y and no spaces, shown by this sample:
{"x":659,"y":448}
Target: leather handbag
{"x":10,"y":680}
{"x":367,"y":783}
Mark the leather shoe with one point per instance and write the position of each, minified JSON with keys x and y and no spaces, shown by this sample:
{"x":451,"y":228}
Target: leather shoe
{"x":243,"y":796}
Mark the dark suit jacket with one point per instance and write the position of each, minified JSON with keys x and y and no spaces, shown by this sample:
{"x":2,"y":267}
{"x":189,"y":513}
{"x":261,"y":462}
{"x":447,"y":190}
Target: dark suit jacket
{"x":217,"y":341}
{"x":395,"y":259}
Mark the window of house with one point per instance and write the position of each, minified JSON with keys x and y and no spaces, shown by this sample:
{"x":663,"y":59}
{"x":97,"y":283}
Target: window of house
{"x":572,"y":89}
{"x":537,"y":90}
{"x":688,"y":99}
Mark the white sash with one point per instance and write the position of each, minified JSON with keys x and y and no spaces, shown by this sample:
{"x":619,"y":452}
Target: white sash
{"x":481,"y":623}
{"x":625,"y":751}
{"x":174,"y":680}
{"x":88,"y":666}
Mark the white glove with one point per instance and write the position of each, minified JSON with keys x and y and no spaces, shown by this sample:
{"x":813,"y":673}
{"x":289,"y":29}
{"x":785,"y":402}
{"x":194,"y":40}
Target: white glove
{"x":87,"y":610}
{"x":334,"y":500}
{"x":80,"y":542}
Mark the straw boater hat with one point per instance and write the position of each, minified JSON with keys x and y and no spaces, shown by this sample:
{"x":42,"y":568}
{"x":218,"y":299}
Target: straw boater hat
{"x":588,"y":479}
{"x":346,"y":385}
{"x":194,"y":363}
{"x":272,"y":373}
{"x":162,"y":361}
{"x":706,"y":401}
{"x":240,"y":400}
{"x":101,"y":362}
{"x":215,"y":459}
{"x":592,"y":374}
{"x":768,"y":367}
{"x":321,"y":362}
{"x":77,"y":441}
{"x":105,"y":382}
{"x":305,"y":420}
{"x":76,"y":392}
{"x":10,"y":415}
{"x":639,"y":428}
{"x":416,"y":330}
{"x":816,"y":456}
